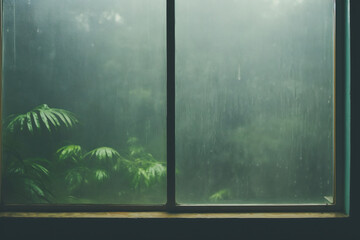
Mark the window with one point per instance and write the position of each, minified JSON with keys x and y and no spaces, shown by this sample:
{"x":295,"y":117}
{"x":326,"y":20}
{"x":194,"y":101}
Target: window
{"x":86,"y":86}
{"x":237,"y":107}
{"x":254,"y":110}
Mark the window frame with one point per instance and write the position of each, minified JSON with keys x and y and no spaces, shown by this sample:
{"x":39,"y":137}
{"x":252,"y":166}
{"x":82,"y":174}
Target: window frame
{"x":341,"y":132}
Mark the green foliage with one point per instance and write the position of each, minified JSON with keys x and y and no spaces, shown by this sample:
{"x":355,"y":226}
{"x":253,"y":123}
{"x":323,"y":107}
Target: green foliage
{"x":28,"y":167}
{"x":223,"y":194}
{"x":143,"y":168}
{"x":135,"y":150}
{"x":134,"y":147}
{"x":156,"y":170}
{"x":35,"y":188}
{"x":132,"y":140}
{"x":73,"y":152}
{"x":103,"y":153}
{"x":83,"y":173}
{"x":149,"y":173}
{"x":77,"y":177}
{"x":101,"y":175}
{"x":103,"y":156}
{"x":42,"y":115}
{"x":29,"y":176}
{"x":138,"y":169}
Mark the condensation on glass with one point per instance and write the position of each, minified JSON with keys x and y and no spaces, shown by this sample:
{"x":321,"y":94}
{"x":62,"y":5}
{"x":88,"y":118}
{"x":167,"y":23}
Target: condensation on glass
{"x":84,"y":102}
{"x":254,"y":101}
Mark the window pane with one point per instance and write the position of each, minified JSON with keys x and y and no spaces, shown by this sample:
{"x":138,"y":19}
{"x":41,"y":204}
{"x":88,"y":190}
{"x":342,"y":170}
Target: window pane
{"x":84,"y":101}
{"x":254,"y":101}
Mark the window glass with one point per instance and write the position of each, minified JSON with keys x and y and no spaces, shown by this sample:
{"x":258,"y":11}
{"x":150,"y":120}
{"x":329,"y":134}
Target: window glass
{"x":84,"y":101}
{"x":254,"y":101}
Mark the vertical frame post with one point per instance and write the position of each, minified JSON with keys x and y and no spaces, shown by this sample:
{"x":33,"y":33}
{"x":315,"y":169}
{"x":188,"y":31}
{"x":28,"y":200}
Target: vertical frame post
{"x":347,"y":106}
{"x":342,"y":106}
{"x":1,"y":79}
{"x":170,"y":49}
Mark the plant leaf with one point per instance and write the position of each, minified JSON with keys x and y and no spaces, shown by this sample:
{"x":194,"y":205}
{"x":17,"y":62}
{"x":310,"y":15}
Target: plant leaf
{"x":44,"y":119}
{"x":40,"y":168}
{"x":22,"y":120}
{"x":52,"y":118}
{"x":34,"y":188}
{"x":60,"y":115}
{"x":103,"y":154}
{"x":101,"y":175}
{"x":220,"y":195}
{"x":29,"y":123}
{"x":49,"y":116}
{"x":36,"y":120}
{"x":69,"y":152}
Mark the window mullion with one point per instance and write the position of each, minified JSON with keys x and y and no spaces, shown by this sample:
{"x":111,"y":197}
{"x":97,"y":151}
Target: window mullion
{"x":170,"y":43}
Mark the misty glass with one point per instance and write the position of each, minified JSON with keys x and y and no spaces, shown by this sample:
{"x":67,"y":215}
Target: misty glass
{"x":84,"y":101}
{"x":254,"y":101}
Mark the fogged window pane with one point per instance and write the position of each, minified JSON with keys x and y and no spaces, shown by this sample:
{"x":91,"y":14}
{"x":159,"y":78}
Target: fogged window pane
{"x":254,"y":101}
{"x":84,"y":101}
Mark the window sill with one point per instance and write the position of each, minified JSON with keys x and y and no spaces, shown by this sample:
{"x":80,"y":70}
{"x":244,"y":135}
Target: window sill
{"x":168,"y":215}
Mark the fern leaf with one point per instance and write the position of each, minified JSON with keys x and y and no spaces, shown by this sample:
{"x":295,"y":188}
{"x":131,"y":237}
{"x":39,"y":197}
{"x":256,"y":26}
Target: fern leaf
{"x":101,"y":175}
{"x":156,"y":170}
{"x":34,"y":188}
{"x":46,"y":114}
{"x":69,"y":152}
{"x":28,"y":122}
{"x":103,"y":154}
{"x":122,"y":163}
{"x":14,"y":122}
{"x":141,"y":177}
{"x":42,"y":106}
{"x":49,"y":116}
{"x":44,"y":119}
{"x":10,"y":127}
{"x":76,"y":177}
{"x":22,"y":120}
{"x":136,"y":150}
{"x":220,"y":195}
{"x":71,"y":116}
{"x":39,"y":168}
{"x":73,"y":178}
{"x":16,"y":171}
{"x":52,"y":118}
{"x":68,"y":116}
{"x":60,"y":115}
{"x":36,"y":167}
{"x":36,"y":120}
{"x":109,"y":153}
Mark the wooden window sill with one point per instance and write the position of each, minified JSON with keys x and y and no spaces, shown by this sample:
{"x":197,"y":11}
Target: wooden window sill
{"x":167,"y":215}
